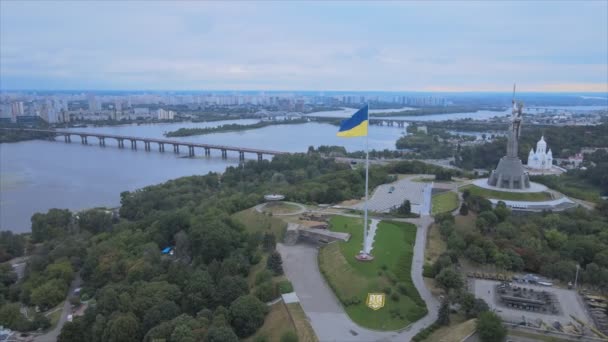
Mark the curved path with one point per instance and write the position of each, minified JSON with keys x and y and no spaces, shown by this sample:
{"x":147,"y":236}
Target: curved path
{"x":260,"y":209}
{"x":325,"y":312}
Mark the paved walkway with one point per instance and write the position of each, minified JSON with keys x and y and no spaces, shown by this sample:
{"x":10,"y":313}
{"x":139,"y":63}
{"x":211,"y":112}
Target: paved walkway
{"x":325,"y":312}
{"x":369,"y":244}
{"x":260,"y":209}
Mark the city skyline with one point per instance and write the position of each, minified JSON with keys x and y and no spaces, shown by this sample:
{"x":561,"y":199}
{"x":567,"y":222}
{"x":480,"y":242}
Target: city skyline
{"x":212,"y":46}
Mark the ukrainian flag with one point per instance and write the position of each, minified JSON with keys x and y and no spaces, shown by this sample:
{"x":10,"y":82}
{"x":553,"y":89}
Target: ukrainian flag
{"x":356,"y":125}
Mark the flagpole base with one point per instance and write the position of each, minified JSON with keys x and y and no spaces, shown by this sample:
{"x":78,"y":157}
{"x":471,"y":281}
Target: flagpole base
{"x":362,"y":256}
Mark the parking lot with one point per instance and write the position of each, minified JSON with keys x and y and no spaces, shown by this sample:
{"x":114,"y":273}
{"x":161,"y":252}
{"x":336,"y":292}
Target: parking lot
{"x":570,"y":303}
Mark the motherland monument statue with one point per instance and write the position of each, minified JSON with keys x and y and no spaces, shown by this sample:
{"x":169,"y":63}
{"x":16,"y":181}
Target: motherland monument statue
{"x":510,"y":173}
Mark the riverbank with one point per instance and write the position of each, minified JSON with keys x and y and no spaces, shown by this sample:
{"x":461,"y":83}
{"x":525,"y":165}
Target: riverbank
{"x":436,"y":110}
{"x":185,"y":132}
{"x":7,"y":136}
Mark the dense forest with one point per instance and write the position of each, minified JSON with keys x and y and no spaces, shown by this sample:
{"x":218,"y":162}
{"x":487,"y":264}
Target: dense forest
{"x":563,"y":142}
{"x":551,"y":244}
{"x":433,"y":144}
{"x":133,"y":291}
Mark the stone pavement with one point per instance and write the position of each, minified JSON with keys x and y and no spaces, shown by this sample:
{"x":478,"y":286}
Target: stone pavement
{"x":569,"y":302}
{"x":373,"y":227}
{"x":392,"y":195}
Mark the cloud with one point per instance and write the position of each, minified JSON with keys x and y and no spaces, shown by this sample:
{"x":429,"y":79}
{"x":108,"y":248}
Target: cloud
{"x":291,"y":46}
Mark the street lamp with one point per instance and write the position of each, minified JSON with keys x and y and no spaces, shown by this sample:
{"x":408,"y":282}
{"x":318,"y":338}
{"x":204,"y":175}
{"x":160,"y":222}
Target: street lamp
{"x":576,"y":278}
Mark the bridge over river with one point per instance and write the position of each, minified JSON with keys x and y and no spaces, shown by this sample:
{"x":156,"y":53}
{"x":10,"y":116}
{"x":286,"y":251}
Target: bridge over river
{"x":372,"y":120}
{"x":101,"y":138}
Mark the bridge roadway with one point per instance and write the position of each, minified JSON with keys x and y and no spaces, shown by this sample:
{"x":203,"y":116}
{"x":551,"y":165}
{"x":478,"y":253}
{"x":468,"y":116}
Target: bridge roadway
{"x":372,"y":121}
{"x":147,"y":141}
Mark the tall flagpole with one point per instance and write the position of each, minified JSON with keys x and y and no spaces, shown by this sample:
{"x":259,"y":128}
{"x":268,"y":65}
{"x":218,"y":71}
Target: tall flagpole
{"x":365,"y":233}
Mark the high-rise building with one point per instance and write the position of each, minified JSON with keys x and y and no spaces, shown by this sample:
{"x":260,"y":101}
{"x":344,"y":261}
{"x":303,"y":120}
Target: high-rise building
{"x":162,"y":114}
{"x":93,"y":104}
{"x":64,"y":116}
{"x":6,"y":112}
{"x":17,"y":109}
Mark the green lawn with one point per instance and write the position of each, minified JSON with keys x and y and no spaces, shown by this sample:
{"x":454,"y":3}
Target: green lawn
{"x":276,"y":323}
{"x":280,"y":208}
{"x":258,"y":222}
{"x":351,"y":279}
{"x":444,"y":202}
{"x":571,"y":186}
{"x":505,"y":195}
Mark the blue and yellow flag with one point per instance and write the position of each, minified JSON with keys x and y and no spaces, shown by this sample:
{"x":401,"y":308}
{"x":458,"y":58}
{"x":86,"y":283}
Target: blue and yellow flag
{"x":356,"y":125}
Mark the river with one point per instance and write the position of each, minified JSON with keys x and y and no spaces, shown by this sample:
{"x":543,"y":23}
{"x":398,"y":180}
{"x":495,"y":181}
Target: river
{"x":38,"y":175}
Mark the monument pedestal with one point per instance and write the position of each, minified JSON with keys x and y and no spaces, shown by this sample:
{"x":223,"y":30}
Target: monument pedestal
{"x":362,"y":256}
{"x":509,"y":174}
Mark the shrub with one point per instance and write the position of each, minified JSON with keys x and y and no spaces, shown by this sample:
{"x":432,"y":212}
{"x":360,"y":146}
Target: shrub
{"x":391,"y":277}
{"x":41,"y":322}
{"x":289,"y":336}
{"x":416,"y":313}
{"x":247,"y":315}
{"x":387,"y":290}
{"x":260,"y":338}
{"x":275,"y":263}
{"x":446,"y":228}
{"x":266,"y":292}
{"x":396,"y":313}
{"x":464,"y":209}
{"x":263,"y":276}
{"x":449,"y":279}
{"x":428,"y":271}
{"x":490,"y":328}
{"x":269,"y":242}
{"x":444,"y":217}
{"x":395,"y":296}
{"x":424,"y":333}
{"x":256,"y":257}
{"x":402,"y":288}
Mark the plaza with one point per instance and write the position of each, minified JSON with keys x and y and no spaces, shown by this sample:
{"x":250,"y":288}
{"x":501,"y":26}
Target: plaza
{"x":390,"y":196}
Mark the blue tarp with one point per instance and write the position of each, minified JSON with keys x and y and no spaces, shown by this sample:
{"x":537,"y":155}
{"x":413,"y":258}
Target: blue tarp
{"x":166,"y":250}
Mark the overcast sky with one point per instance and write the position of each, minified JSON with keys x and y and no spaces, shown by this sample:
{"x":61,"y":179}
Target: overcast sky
{"x":394,"y":46}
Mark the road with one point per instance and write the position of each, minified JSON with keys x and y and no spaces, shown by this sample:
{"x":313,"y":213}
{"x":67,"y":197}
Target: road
{"x":325,"y":312}
{"x":52,"y":335}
